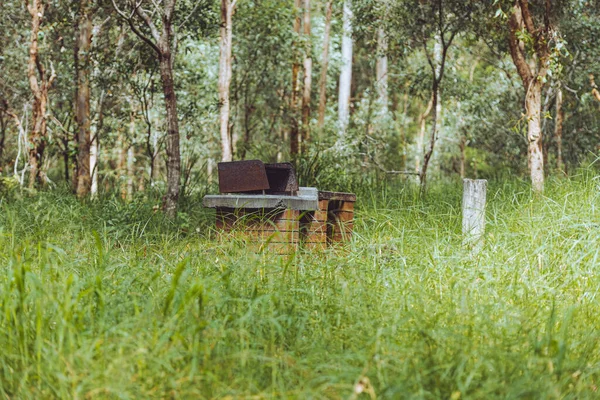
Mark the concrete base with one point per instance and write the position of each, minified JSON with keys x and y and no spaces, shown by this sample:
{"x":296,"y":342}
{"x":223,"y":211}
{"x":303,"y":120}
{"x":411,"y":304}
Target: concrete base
{"x":306,"y":200}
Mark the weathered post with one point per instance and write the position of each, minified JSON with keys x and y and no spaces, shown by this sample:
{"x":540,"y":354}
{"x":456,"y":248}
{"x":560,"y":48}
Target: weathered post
{"x":473,"y":208}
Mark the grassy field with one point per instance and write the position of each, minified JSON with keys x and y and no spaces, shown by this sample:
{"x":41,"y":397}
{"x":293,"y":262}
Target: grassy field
{"x":109,"y":300}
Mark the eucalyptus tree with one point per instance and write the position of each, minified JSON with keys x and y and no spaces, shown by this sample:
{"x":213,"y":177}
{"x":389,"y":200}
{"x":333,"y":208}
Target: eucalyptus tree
{"x":160,"y":35}
{"x":382,"y":61}
{"x":432,"y":26}
{"x":14,"y":90}
{"x":307,"y":69}
{"x":382,"y":69}
{"x":82,"y":61}
{"x":325,"y":63}
{"x":530,"y":49}
{"x":345,"y":82}
{"x":225,"y":71}
{"x":40,"y":82}
{"x":295,"y":93}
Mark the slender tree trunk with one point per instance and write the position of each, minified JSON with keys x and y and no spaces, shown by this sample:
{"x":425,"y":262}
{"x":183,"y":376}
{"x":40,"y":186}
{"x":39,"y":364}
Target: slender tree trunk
{"x":558,"y":128}
{"x":382,"y":69}
{"x":173,"y":154}
{"x":209,"y":170}
{"x":153,"y":168}
{"x":66,"y":158}
{"x":39,"y":89}
{"x":404,"y":129}
{"x":544,"y":122}
{"x":436,"y":108}
{"x":225,"y":71}
{"x":94,"y":145}
{"x":153,"y":151}
{"x":305,"y":135}
{"x":294,"y":126}
{"x":130,"y":171}
{"x":2,"y":140}
{"x":421,"y":138}
{"x":151,"y":141}
{"x":433,"y":138}
{"x":533,"y":111}
{"x":463,"y":159}
{"x":325,"y":64}
{"x":248,"y":110}
{"x":122,"y":158}
{"x":346,"y":70}
{"x":438,"y":58}
{"x":82,"y":104}
{"x":94,"y":166}
{"x":21,"y":139}
{"x":3,"y":128}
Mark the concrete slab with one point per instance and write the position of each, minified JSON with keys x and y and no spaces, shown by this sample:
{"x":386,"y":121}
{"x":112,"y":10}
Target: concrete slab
{"x":306,"y":200}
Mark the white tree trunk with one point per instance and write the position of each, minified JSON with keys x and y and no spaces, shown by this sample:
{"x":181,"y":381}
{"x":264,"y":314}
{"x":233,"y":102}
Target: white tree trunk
{"x":225,"y":77}
{"x":209,"y":170}
{"x":437,"y":55}
{"x":346,"y":70}
{"x":382,"y":69}
{"x":94,"y":165}
{"x":473,"y":207}
{"x":324,"y":64}
{"x":130,"y":171}
{"x":533,"y":103}
{"x":558,"y":128}
{"x":307,"y":64}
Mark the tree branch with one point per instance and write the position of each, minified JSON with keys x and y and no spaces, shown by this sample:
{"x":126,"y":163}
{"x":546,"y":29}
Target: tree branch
{"x":169,"y":10}
{"x":514,"y":23}
{"x":429,"y":60}
{"x":149,"y":23}
{"x":185,"y":21}
{"x":134,"y":29}
{"x":527,"y":19}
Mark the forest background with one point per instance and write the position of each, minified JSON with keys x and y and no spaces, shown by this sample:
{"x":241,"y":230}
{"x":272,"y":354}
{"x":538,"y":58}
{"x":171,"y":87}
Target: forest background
{"x":123,"y":96}
{"x":113,"y":111}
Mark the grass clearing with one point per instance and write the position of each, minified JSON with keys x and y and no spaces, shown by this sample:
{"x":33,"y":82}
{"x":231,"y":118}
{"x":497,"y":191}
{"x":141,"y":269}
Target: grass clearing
{"x":109,"y":300}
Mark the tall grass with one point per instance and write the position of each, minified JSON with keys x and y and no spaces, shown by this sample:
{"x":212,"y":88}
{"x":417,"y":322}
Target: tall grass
{"x":110,"y":300}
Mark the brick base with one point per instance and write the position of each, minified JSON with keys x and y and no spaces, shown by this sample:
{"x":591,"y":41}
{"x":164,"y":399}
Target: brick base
{"x":282,"y":231}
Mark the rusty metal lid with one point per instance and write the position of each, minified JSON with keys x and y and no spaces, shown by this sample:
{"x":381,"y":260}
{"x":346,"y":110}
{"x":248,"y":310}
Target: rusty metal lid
{"x":242,"y":176}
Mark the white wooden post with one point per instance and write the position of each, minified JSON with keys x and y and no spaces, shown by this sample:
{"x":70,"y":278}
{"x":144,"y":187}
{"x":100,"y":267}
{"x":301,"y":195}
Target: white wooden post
{"x":473,"y":208}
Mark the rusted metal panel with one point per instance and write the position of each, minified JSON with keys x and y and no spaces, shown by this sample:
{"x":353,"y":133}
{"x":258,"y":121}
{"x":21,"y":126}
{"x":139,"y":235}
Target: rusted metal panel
{"x":282,"y":179}
{"x":242,"y":176}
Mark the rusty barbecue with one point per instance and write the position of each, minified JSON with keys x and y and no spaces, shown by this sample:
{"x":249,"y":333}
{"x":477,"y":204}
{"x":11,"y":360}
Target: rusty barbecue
{"x":284,"y":215}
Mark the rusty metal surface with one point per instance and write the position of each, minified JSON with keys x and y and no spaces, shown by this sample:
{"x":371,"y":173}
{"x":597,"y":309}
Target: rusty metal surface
{"x":242,"y":176}
{"x":282,"y":179}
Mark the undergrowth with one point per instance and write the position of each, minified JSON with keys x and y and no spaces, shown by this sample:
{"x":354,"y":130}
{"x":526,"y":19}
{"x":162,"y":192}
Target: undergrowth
{"x":107,"y":299}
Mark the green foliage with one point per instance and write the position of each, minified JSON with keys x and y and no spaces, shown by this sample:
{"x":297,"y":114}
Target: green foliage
{"x":127,"y":108}
{"x":9,"y":187}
